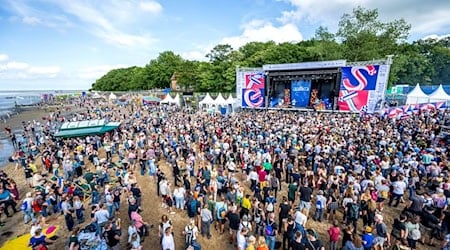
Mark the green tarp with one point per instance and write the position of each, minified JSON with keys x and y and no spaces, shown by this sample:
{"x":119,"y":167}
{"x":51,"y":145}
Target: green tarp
{"x":85,"y":128}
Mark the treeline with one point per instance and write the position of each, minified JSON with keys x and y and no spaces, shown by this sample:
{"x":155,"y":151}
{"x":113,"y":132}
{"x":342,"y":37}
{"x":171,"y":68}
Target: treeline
{"x":361,"y":36}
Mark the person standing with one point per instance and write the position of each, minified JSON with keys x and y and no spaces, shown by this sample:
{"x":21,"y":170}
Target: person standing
{"x":112,"y":235}
{"x":271,"y":231}
{"x":305,"y":197}
{"x":335,"y":233}
{"x":67,"y":211}
{"x":399,"y":188}
{"x":241,"y":240}
{"x":206,"y":217}
{"x":190,"y":232}
{"x":168,"y":243}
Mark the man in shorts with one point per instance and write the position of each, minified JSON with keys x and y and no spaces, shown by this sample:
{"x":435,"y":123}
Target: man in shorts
{"x":381,"y":233}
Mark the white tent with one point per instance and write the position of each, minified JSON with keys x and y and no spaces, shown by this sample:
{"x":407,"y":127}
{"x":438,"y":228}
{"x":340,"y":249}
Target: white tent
{"x":176,"y":100}
{"x":112,"y":96}
{"x":207,"y":101}
{"x":220,"y":101}
{"x":230,"y":103}
{"x":417,"y":96}
{"x":439,"y":95}
{"x":96,"y":95}
{"x":231,"y":100}
{"x":167,"y":99}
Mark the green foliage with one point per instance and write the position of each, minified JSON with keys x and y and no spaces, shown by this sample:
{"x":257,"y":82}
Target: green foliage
{"x":361,"y":36}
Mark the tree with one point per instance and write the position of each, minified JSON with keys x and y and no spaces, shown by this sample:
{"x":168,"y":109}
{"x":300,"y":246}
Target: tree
{"x":365,"y":37}
{"x":161,"y":69}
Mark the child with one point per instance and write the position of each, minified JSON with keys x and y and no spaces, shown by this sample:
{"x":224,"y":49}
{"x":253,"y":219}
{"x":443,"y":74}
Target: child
{"x":334,"y":232}
{"x":367,"y":238}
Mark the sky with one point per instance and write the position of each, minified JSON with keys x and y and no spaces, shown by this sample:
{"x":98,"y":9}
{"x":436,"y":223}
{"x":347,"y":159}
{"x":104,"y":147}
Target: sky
{"x":67,"y":44}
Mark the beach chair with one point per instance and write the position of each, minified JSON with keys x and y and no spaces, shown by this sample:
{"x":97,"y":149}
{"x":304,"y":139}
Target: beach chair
{"x":85,"y":188}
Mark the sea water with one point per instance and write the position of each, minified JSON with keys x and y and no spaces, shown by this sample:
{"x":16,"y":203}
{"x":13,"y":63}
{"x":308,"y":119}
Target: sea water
{"x":9,"y":100}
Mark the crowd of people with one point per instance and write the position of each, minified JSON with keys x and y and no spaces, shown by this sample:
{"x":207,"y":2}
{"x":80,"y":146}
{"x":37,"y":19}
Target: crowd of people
{"x":260,"y":177}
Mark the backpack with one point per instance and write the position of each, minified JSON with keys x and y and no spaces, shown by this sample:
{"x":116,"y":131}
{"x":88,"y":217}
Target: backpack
{"x":353,"y":211}
{"x":319,"y":204}
{"x":189,"y":235}
{"x":24,"y":206}
{"x":270,"y":207}
{"x":274,"y":182}
{"x":268,"y":229}
{"x":415,"y":233}
{"x":247,"y":227}
{"x":440,"y":202}
{"x":384,"y":194}
{"x":222,"y":212}
{"x":193,"y":207}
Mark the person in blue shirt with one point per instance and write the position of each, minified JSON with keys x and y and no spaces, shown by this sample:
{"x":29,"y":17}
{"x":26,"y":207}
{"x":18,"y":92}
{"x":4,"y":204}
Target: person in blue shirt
{"x":6,"y":199}
{"x":367,"y":238}
{"x":39,"y":240}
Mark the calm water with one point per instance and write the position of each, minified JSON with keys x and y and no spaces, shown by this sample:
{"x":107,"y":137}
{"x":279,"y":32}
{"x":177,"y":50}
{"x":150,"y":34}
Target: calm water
{"x":8,"y":99}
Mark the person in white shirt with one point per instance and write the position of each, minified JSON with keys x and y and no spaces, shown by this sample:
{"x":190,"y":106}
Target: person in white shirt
{"x":398,"y":191}
{"x":132,"y":229}
{"x":241,"y":241}
{"x":300,"y":217}
{"x":168,"y":242}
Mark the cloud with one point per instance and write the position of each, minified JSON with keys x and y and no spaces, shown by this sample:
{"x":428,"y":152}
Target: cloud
{"x":31,"y":20}
{"x":436,"y":37}
{"x":12,"y":70}
{"x":152,"y":7}
{"x":95,"y":72}
{"x":14,"y":66}
{"x":195,"y":55}
{"x":33,"y":16}
{"x":116,"y":22}
{"x":262,"y":31}
{"x":426,"y":17}
{"x":3,"y":57}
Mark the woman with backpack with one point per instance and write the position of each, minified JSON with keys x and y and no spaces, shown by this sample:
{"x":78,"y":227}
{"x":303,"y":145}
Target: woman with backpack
{"x":413,"y":231}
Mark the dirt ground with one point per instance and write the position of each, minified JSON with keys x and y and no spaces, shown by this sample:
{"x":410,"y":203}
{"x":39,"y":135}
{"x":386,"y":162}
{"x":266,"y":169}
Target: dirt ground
{"x":152,"y":211}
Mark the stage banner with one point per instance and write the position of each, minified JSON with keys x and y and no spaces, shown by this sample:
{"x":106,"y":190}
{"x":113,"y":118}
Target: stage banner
{"x":250,"y":86}
{"x":363,"y":88}
{"x":300,"y":90}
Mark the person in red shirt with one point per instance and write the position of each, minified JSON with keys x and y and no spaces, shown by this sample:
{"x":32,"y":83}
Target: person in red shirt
{"x":334,"y":232}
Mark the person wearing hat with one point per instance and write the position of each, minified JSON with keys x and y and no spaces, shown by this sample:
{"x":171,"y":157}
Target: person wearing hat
{"x":313,"y":242}
{"x":367,"y":238}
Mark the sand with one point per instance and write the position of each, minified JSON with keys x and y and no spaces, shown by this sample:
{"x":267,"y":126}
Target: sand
{"x":151,"y":204}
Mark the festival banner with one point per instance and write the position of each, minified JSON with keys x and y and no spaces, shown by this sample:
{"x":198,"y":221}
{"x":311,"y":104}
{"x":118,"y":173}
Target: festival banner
{"x":363,"y":88}
{"x":250,"y":86}
{"x":409,"y":109}
{"x":300,"y":91}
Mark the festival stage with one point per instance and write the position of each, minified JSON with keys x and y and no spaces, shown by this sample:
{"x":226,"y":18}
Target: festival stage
{"x":326,"y":86}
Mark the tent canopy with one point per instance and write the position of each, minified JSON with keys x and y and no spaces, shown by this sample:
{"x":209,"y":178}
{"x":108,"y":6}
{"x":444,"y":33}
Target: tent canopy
{"x":172,"y":100}
{"x":417,"y":96}
{"x":230,"y":99}
{"x":112,"y":96}
{"x":167,"y":99}
{"x":177,"y":100}
{"x":439,"y":95}
{"x":207,"y":100}
{"x":220,"y":100}
{"x":96,"y":95}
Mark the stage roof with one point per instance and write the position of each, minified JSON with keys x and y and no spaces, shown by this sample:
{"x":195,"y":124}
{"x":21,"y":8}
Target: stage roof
{"x":305,"y":65}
